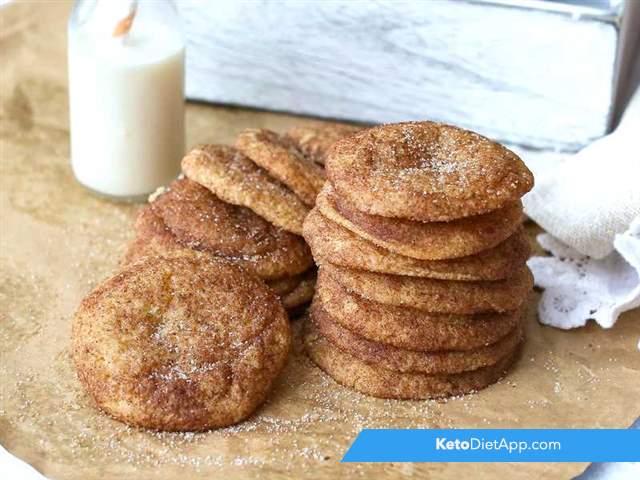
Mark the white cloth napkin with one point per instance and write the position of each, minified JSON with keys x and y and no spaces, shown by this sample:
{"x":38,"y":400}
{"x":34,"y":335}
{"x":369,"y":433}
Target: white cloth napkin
{"x":578,"y":287}
{"x":590,"y":206}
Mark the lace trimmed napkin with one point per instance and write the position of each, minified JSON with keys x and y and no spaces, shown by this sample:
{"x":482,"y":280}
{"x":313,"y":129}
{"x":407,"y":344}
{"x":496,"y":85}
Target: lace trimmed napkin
{"x":590,"y":206}
{"x":578,"y":287}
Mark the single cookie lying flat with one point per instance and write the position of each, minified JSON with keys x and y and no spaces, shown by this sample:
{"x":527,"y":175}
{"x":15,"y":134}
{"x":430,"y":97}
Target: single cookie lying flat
{"x":288,"y":256}
{"x":180,"y":344}
{"x":316,"y":142}
{"x":333,"y":243}
{"x":374,"y":380}
{"x":420,"y":240}
{"x":409,"y":328}
{"x":279,"y":156}
{"x":408,"y":361}
{"x":436,"y":296}
{"x":234,"y":178}
{"x":426,"y":171}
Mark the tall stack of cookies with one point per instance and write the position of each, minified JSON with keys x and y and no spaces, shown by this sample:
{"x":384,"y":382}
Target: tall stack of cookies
{"x":246,"y":204}
{"x":421,"y":252}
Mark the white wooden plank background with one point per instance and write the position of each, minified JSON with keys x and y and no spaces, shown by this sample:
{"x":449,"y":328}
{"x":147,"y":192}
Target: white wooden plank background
{"x":521,"y":76}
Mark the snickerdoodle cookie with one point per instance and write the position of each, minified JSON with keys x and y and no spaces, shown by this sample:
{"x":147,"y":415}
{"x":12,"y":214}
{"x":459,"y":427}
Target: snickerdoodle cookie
{"x":201,"y":220}
{"x":315,"y":142}
{"x":424,"y":241}
{"x":285,"y":285}
{"x":409,"y":328}
{"x":426,"y":171}
{"x":436,"y":296}
{"x":285,"y":254}
{"x":377,"y":381}
{"x":301,"y":294}
{"x":279,"y":156}
{"x":234,"y":178}
{"x":152,"y":239}
{"x":180,"y":343}
{"x":333,"y":243}
{"x":403,"y":360}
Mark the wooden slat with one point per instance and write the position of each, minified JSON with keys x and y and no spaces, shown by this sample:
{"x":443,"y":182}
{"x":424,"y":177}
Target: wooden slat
{"x":522,"y":76}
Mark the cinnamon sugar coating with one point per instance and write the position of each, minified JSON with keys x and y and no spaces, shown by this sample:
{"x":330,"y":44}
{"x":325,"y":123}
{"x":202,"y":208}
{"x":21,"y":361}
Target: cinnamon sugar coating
{"x":152,"y":238}
{"x":235,"y":179}
{"x":285,"y":256}
{"x":374,"y":380}
{"x":424,"y":240}
{"x":331,"y":242}
{"x":410,"y":328}
{"x":285,"y":285}
{"x":197,"y":217}
{"x":279,"y":156}
{"x":316,"y":142}
{"x":186,"y":343}
{"x":436,"y":296}
{"x":426,"y":171}
{"x":403,"y":360}
{"x":301,"y":294}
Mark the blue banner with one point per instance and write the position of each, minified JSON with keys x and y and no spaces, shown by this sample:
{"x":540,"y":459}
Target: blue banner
{"x":495,"y":445}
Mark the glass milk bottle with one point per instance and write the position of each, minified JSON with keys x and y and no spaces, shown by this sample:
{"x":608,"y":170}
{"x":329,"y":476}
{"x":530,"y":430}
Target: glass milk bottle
{"x":126,"y":95}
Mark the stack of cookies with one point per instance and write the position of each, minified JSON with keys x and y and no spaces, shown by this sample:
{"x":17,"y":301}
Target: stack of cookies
{"x":421,"y":255}
{"x":182,"y":338}
{"x":246,"y":204}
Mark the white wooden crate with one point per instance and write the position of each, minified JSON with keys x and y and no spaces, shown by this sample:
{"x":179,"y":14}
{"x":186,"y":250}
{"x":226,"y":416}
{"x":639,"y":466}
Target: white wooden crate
{"x":528,"y":76}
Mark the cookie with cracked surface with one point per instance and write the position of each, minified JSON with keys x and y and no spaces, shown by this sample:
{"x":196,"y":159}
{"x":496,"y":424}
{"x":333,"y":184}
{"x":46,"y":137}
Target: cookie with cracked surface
{"x":331,"y":242}
{"x":371,"y":379}
{"x":279,"y":156}
{"x":407,"y":327}
{"x":202,"y":221}
{"x":285,"y":255}
{"x":426,"y":171}
{"x":436,"y":296}
{"x":185,"y":343}
{"x":422,"y":240}
{"x":316,"y":142}
{"x":235,"y":179}
{"x":404,"y":360}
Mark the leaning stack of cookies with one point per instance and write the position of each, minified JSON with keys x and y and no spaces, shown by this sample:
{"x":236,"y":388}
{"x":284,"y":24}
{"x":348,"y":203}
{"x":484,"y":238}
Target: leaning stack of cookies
{"x":421,"y":255}
{"x":246,"y":204}
{"x":191,"y":333}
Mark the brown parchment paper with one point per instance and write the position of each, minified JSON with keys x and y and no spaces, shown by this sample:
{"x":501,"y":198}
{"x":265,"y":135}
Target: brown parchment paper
{"x":58,"y":241}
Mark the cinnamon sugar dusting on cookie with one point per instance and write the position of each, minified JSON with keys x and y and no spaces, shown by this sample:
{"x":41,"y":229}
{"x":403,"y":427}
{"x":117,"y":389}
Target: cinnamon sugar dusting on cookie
{"x":426,"y":171}
{"x":308,"y":421}
{"x":93,"y":438}
{"x":437,"y":159}
{"x":186,"y":215}
{"x":234,"y":178}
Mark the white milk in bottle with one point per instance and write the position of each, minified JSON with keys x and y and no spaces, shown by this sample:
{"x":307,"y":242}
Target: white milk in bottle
{"x":126,"y":95}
